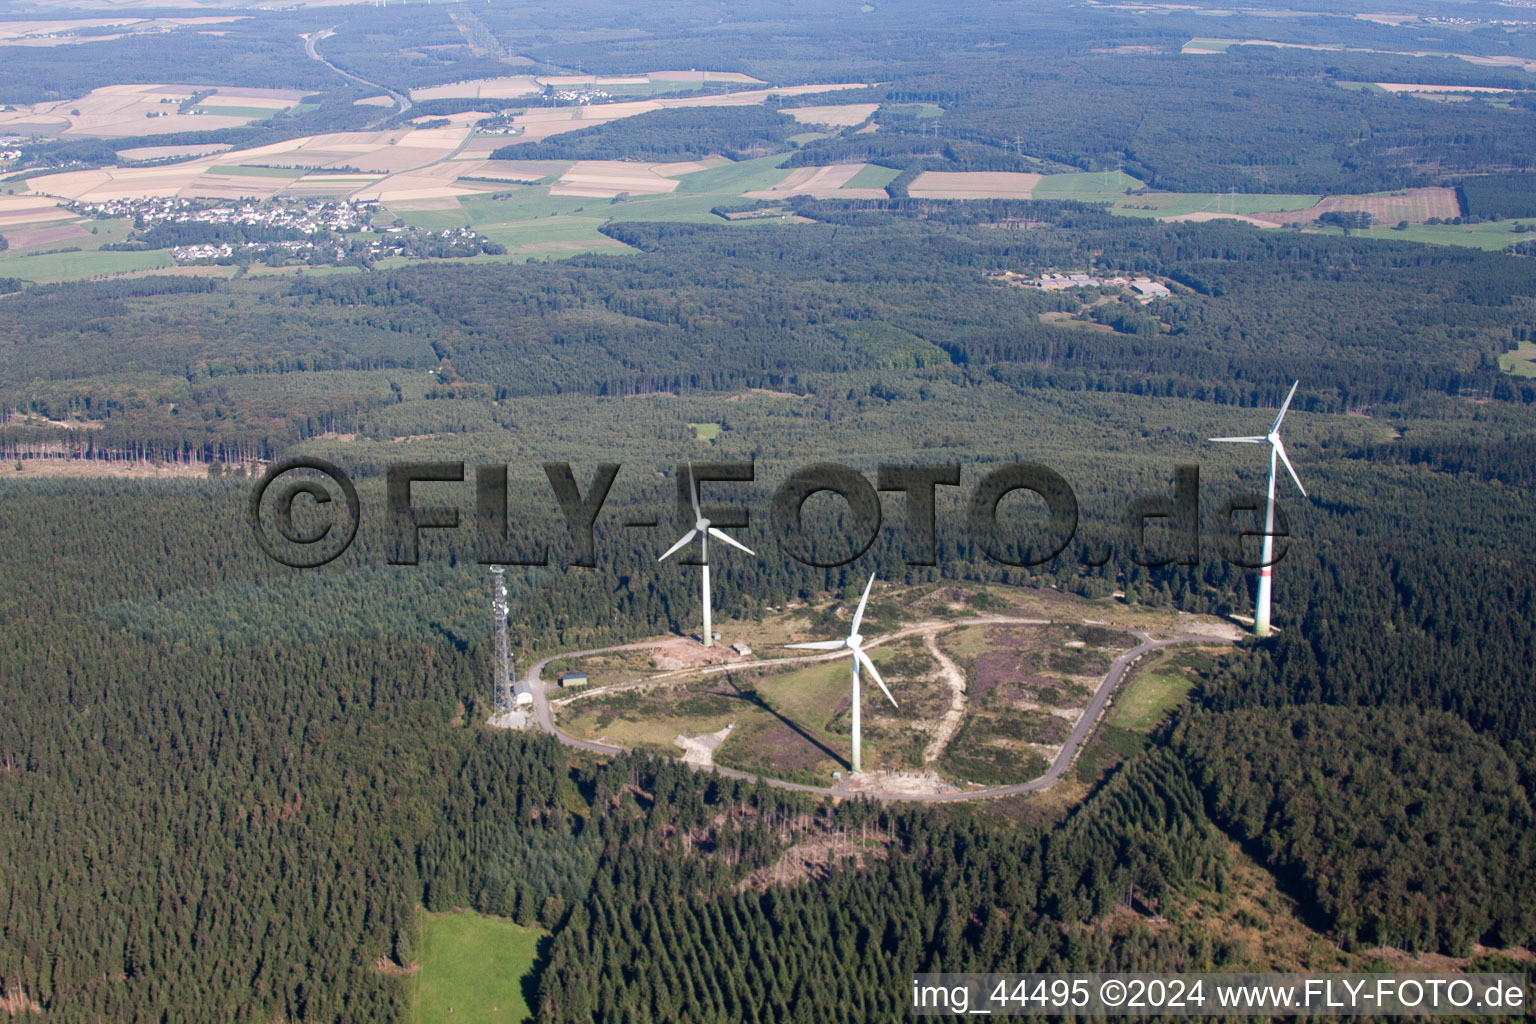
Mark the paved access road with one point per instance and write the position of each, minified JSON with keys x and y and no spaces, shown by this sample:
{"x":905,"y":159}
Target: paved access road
{"x":1064,"y":758}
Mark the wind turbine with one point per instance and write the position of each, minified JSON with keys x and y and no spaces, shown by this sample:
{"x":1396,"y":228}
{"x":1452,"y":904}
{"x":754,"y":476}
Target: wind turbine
{"x":854,"y":643}
{"x":1276,"y":451}
{"x":703,"y":531}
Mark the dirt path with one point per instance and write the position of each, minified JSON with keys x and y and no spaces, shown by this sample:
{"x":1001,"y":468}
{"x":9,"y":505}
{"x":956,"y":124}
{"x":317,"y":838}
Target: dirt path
{"x":949,"y":724}
{"x":1087,"y":721}
{"x":700,"y":750}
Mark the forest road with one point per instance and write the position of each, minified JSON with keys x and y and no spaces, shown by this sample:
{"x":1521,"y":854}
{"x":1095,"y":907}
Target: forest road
{"x":1086,"y":723}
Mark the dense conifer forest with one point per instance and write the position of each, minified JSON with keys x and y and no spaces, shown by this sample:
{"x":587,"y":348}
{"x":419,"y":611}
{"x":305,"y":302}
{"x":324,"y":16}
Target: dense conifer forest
{"x":227,"y":787}
{"x":231,"y":782}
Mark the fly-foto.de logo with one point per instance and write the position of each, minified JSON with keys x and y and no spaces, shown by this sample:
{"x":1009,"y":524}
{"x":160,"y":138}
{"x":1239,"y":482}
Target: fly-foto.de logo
{"x":305,"y":512}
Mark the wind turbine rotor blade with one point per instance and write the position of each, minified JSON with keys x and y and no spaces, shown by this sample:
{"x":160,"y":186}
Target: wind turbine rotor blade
{"x":818,"y":645}
{"x":675,"y":548}
{"x":730,"y":540}
{"x":1280,"y":451}
{"x":1239,"y":440}
{"x":693,"y":493}
{"x":869,"y":666}
{"x":1284,"y":407}
{"x":703,"y":546}
{"x":858,"y":616}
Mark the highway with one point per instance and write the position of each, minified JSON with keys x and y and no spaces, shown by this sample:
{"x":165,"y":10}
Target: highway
{"x":313,"y":39}
{"x":1086,"y":723}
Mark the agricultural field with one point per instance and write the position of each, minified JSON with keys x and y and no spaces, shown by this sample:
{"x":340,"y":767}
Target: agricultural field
{"x":1491,"y":235}
{"x":84,"y":30}
{"x":141,"y":154}
{"x":439,"y":178}
{"x":973,"y":185}
{"x":474,"y":969}
{"x":915,"y":109}
{"x":873,"y":176}
{"x":1208,"y":205}
{"x":1086,"y":186}
{"x":1414,"y":205}
{"x":49,"y":268}
{"x":842,"y":116}
{"x":125,"y":111}
{"x":833,"y":181}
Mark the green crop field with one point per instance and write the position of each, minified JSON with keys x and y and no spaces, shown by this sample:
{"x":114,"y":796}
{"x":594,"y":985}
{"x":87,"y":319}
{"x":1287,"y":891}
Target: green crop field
{"x":434,"y":220}
{"x":260,"y":172}
{"x":261,"y":113}
{"x":1209,"y":45}
{"x":1086,"y":186}
{"x":872,"y":176}
{"x":736,"y":178}
{"x":916,"y":109}
{"x":1491,"y":235}
{"x":1170,"y":204}
{"x":473,"y":969}
{"x":49,"y":268}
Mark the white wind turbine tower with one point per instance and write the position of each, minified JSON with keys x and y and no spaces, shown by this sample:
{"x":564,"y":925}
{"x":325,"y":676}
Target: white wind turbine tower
{"x":1276,"y":451}
{"x":703,"y":531}
{"x":854,"y":643}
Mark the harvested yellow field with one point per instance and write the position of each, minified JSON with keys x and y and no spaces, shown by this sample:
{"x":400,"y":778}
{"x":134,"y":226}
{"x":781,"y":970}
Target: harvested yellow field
{"x":322,"y":185}
{"x":844,"y":116}
{"x":542,"y":122}
{"x":517,"y":170}
{"x":29,"y":208}
{"x":479,"y":89}
{"x":1414,"y":205}
{"x":704,"y":76}
{"x":117,"y":111}
{"x":590,"y":81}
{"x":374,"y":101}
{"x":63,"y":32}
{"x":1205,"y":216}
{"x":142,"y":153}
{"x":973,"y":185}
{"x":604,"y":179}
{"x":220,"y":176}
{"x":1406,"y":87}
{"x":820,"y":183}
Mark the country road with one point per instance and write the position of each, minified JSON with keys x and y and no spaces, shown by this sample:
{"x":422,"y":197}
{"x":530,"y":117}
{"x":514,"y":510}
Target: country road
{"x":310,"y":41}
{"x":1064,"y":757}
